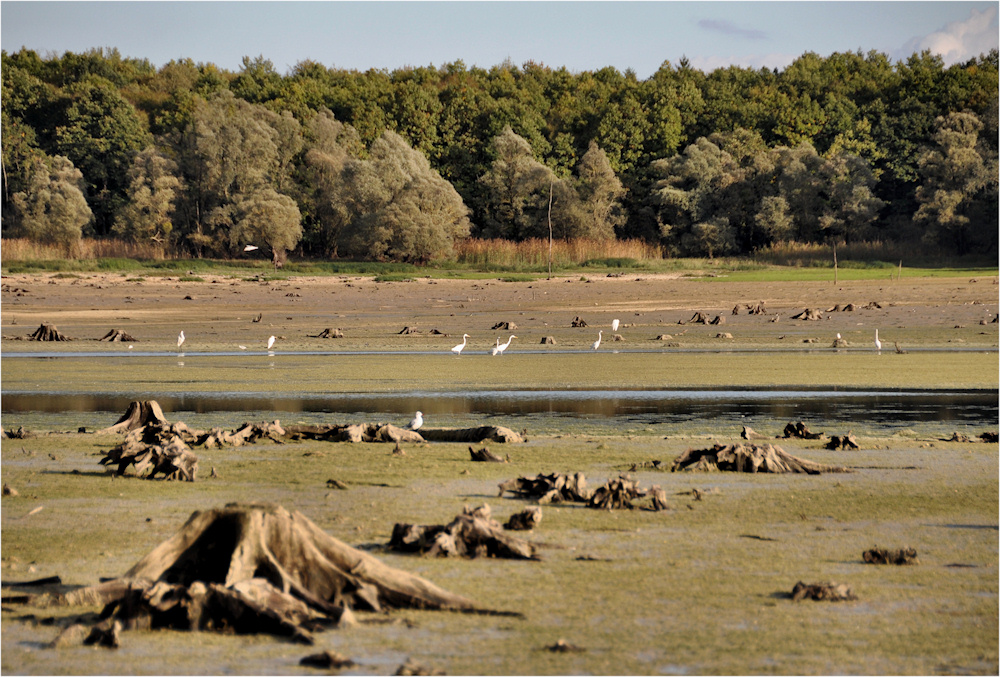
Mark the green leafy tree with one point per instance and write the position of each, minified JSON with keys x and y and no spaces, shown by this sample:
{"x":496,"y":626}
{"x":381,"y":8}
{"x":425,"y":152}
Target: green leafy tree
{"x":52,"y":209}
{"x":332,"y":145}
{"x":152,"y":194}
{"x":600,"y":192}
{"x":518,"y":189}
{"x":958,"y":196}
{"x":264,"y":216}
{"x":400,"y":208}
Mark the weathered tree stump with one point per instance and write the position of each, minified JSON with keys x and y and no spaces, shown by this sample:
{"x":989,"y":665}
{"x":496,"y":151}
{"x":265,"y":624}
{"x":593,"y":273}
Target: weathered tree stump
{"x":486,"y":433}
{"x":47,"y":332}
{"x":506,"y":326}
{"x":749,"y":458}
{"x":756,"y":308}
{"x":257,"y":318}
{"x":548,"y":341}
{"x":830,"y":592}
{"x":718,"y":319}
{"x":484,"y":455}
{"x":472,"y":534}
{"x":253,"y":568}
{"x":879,"y":555}
{"x":21,"y":433}
{"x":174,"y":459}
{"x":617,"y":494}
{"x":578,"y":322}
{"x":800,"y":431}
{"x":751,"y":434}
{"x":409,"y":330}
{"x":327,"y":660}
{"x":698,"y":318}
{"x":808,"y":314}
{"x":329,"y":333}
{"x":526,"y":520}
{"x":10,"y":491}
{"x":554,"y":488}
{"x":989,"y":437}
{"x":847,"y":441}
{"x":872,"y":305}
{"x":137,"y":415}
{"x":117,"y":335}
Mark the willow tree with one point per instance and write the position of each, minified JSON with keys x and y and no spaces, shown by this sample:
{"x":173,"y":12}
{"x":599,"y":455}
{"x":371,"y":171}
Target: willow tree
{"x":152,"y":194}
{"x":52,"y":209}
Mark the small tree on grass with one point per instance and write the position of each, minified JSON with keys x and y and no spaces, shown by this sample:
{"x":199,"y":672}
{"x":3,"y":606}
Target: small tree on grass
{"x":52,"y":209}
{"x":268,"y":217}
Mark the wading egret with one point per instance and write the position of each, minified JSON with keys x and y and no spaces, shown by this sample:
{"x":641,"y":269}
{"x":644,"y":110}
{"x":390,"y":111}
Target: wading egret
{"x":242,"y":347}
{"x":461,"y":346}
{"x":614,"y":325}
{"x":496,"y":348}
{"x":417,"y":421}
{"x":597,"y":343}
{"x":878,"y":344}
{"x":270,"y":342}
{"x":504,"y":346}
{"x":180,"y":339}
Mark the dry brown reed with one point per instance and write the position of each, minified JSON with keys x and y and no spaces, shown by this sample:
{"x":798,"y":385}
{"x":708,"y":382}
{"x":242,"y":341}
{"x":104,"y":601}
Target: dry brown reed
{"x":534,"y":253}
{"x":23,"y":249}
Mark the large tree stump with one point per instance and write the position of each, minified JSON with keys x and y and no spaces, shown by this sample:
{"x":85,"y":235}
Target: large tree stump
{"x":749,"y":458}
{"x":847,"y":441}
{"x":879,"y":555}
{"x":174,"y":459}
{"x":472,"y":534}
{"x":47,"y":332}
{"x":117,"y":335}
{"x":808,"y":314}
{"x":137,"y":415}
{"x":330,"y":333}
{"x":255,"y":568}
{"x":526,"y":520}
{"x":505,"y":326}
{"x":486,"y":433}
{"x":578,"y":322}
{"x":800,"y":431}
{"x":829,"y":592}
{"x":484,"y":455}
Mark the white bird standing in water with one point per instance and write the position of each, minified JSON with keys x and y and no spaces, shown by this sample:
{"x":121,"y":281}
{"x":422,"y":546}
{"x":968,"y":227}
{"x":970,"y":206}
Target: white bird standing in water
{"x":878,"y":344}
{"x":614,"y":325}
{"x":270,"y":342}
{"x":417,"y":421}
{"x":502,"y":347}
{"x":495,"y":349}
{"x":180,"y":339}
{"x":461,"y":346}
{"x":597,"y":343}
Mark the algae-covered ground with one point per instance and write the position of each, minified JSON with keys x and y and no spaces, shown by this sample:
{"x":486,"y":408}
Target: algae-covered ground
{"x":702,"y":588}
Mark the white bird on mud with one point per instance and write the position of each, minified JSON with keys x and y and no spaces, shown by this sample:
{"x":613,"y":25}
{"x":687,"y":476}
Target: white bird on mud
{"x":504,"y":346}
{"x":614,"y":325}
{"x":461,"y":346}
{"x":241,"y":347}
{"x":180,"y":339}
{"x":597,"y":343}
{"x":270,"y":342}
{"x":495,"y":349}
{"x":878,"y":344}
{"x":417,"y":421}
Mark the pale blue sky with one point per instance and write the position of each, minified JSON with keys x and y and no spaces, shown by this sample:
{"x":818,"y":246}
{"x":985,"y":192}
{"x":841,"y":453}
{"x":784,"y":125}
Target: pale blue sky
{"x":578,"y":35}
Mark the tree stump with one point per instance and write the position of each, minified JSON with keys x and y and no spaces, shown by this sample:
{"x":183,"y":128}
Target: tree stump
{"x":257,"y":568}
{"x":748,"y":458}
{"x":526,"y":520}
{"x":578,"y":322}
{"x":698,"y":318}
{"x":808,"y":314}
{"x":47,"y":332}
{"x":548,"y":341}
{"x":839,"y":343}
{"x":751,"y":434}
{"x":847,"y":441}
{"x":554,"y":488}
{"x":756,"y":308}
{"x":718,"y":319}
{"x":879,"y":555}
{"x":117,"y":335}
{"x":328,"y":333}
{"x":830,"y":592}
{"x":800,"y":431}
{"x":484,"y":455}
{"x":409,"y":330}
{"x":491,"y":433}
{"x":137,"y":415}
{"x":174,"y":459}
{"x":506,"y":326}
{"x":472,"y":534}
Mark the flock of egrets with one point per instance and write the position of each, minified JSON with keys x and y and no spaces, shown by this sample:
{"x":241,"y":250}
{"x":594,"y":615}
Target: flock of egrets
{"x":497,"y":349}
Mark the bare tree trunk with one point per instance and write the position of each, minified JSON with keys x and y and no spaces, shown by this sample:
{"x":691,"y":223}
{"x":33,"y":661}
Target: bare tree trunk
{"x":834,"y":263}
{"x":550,"y":229}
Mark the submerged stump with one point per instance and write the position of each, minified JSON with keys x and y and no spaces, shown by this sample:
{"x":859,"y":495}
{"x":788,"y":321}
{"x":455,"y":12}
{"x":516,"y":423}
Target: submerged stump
{"x":472,"y":534}
{"x":47,"y":332}
{"x":750,"y":458}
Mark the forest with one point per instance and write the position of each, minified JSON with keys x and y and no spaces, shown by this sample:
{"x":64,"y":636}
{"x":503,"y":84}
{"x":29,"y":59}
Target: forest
{"x":330,"y":163}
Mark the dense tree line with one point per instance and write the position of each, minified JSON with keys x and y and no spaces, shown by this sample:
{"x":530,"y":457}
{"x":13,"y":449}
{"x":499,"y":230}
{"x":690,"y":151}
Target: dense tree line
{"x":398,"y":165}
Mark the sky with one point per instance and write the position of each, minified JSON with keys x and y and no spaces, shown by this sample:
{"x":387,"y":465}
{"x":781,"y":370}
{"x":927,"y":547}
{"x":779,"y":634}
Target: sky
{"x":581,"y":36}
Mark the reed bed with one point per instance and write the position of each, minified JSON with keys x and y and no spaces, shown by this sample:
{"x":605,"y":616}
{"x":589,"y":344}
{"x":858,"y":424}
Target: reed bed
{"x":499,"y":254}
{"x":87,"y":249}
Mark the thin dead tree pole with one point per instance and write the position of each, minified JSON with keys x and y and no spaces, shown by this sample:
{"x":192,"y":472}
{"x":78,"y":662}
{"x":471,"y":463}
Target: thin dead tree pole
{"x":550,"y":228}
{"x":834,"y":263}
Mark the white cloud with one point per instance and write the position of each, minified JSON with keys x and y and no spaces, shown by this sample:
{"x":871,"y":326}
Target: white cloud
{"x":959,"y":40}
{"x":707,"y":64}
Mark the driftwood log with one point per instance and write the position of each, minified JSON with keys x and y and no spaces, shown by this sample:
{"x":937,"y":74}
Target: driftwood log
{"x":526,"y":520}
{"x":879,"y":555}
{"x":254,"y":568}
{"x":801,"y":431}
{"x":554,"y":488}
{"x":117,"y":335}
{"x":484,"y":455}
{"x":472,"y":534}
{"x":620,"y":492}
{"x":808,"y":314}
{"x":47,"y":332}
{"x":137,"y":415}
{"x":829,"y":592}
{"x":749,"y":458}
{"x":847,"y":441}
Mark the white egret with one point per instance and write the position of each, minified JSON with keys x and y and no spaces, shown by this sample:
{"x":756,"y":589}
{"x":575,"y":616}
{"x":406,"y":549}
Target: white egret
{"x":180,"y":339}
{"x":461,"y":346}
{"x":878,"y":344}
{"x":838,"y":335}
{"x":496,"y":348}
{"x":597,"y":343}
{"x":241,"y":347}
{"x":614,"y":325}
{"x":504,"y":346}
{"x":417,"y":421}
{"x":130,"y":347}
{"x":270,"y":342}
